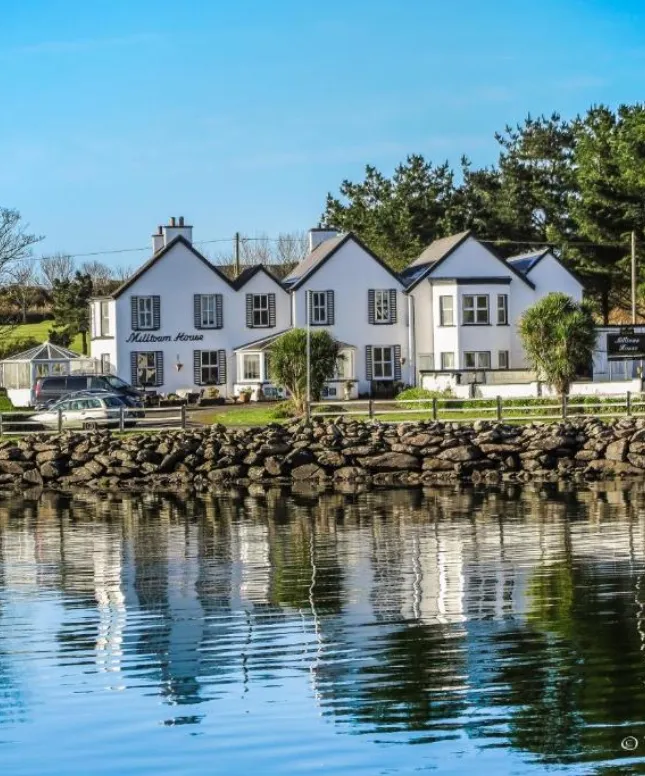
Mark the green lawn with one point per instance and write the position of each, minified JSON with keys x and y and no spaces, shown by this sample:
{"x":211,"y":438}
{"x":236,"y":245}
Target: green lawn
{"x":237,"y":416}
{"x":40,"y":332}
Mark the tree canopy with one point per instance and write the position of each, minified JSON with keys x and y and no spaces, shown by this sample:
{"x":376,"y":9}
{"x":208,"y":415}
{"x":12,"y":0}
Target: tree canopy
{"x":559,"y":336}
{"x":576,"y":184}
{"x":288,"y":363}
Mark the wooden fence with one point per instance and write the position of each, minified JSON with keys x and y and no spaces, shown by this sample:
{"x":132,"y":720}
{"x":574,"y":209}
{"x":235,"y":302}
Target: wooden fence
{"x":498,"y":409}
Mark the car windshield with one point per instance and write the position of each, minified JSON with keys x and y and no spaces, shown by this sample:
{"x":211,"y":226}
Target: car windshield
{"x":116,"y":382}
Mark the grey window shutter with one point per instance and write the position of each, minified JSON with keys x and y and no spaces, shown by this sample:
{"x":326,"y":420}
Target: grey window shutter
{"x":197,"y":367}
{"x":393,"y":305}
{"x":371,"y":304}
{"x":219,"y":311}
{"x":221,"y":363}
{"x":134,"y":377}
{"x":369,"y":372}
{"x":134,"y":307}
{"x":159,"y":367}
{"x":272,"y":310}
{"x":397,"y":362}
{"x":249,"y":310}
{"x":197,"y":305}
{"x":331,"y":315}
{"x":156,"y":312}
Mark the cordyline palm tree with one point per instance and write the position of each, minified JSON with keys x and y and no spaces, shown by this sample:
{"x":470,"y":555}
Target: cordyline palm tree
{"x":288,"y":363}
{"x":559,"y":336}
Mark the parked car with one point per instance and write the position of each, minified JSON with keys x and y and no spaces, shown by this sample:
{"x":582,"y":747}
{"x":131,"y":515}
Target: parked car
{"x":55,"y":387}
{"x":128,"y":401}
{"x":87,"y":411}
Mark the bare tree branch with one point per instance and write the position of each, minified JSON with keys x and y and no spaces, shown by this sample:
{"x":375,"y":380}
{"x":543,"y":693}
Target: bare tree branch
{"x":58,"y":266}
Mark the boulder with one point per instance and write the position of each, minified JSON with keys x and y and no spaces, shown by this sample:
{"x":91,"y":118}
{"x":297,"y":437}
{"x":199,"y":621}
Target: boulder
{"x":390,"y":462}
{"x":461,"y":453}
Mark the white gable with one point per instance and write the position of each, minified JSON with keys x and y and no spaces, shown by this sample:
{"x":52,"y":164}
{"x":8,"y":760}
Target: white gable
{"x":549,"y":275}
{"x":471,"y":259}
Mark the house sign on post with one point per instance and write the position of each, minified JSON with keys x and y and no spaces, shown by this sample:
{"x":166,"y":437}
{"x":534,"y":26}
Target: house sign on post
{"x":626,"y":344}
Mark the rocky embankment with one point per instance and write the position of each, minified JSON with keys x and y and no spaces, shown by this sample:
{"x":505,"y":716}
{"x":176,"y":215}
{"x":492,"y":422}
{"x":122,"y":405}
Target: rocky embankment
{"x":342,"y":451}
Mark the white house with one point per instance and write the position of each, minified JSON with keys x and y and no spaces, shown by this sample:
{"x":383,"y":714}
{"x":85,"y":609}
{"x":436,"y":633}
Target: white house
{"x":180,"y":323}
{"x":467,"y":302}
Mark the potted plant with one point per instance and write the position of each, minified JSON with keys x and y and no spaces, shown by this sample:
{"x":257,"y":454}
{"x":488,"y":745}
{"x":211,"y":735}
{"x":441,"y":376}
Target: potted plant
{"x":245,"y":395}
{"x":349,"y":387}
{"x":209,"y":396}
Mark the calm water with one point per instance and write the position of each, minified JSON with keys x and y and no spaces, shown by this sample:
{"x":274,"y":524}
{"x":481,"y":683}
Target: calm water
{"x":444,"y":630}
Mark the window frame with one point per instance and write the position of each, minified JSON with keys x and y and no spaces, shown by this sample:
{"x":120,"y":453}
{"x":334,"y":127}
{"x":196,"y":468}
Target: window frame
{"x":382,"y":362}
{"x":445,"y":353}
{"x":104,"y":319}
{"x":250,"y":356}
{"x":477,"y":357}
{"x":502,"y":320}
{"x":206,"y":302}
{"x":442,"y":311}
{"x":260,"y":309}
{"x":499,"y":359}
{"x":382,"y":299}
{"x":206,"y":369}
{"x":149,"y":354}
{"x":142,"y":313}
{"x":474,"y":309}
{"x":316,"y":306}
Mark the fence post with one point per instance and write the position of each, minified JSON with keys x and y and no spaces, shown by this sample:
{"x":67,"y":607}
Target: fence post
{"x":1,"y":425}
{"x":629,"y":402}
{"x":370,"y":409}
{"x":499,"y":408}
{"x":60,"y":420}
{"x":121,"y":418}
{"x":434,"y":407}
{"x":183,"y":416}
{"x":564,"y":406}
{"x":307,"y":410}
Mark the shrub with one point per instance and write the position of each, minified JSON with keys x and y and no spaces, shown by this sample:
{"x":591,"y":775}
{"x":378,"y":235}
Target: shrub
{"x":284,"y":410}
{"x":417,"y":394}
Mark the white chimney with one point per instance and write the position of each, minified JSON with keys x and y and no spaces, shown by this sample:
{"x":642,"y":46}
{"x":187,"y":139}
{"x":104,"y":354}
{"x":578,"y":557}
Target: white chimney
{"x":319,"y":235}
{"x":157,"y":240}
{"x":177,"y":228}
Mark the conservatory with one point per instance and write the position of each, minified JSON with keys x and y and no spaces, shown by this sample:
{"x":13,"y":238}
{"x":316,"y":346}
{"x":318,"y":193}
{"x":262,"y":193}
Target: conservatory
{"x":19,"y":372}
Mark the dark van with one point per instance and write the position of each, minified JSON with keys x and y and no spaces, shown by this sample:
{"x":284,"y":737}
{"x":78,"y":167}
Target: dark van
{"x":55,"y":387}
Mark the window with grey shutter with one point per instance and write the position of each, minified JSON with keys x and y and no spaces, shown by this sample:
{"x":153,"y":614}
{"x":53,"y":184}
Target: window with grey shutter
{"x":159,"y":368}
{"x":197,"y":367}
{"x":368,"y":362}
{"x":331,"y":316}
{"x":219,"y":311}
{"x":271,"y":310}
{"x":249,"y":310}
{"x":221,"y":360}
{"x":197,"y":307}
{"x":371,"y":298}
{"x":156,"y":312}
{"x":393,"y":305}
{"x":397,"y":362}
{"x":134,"y":312}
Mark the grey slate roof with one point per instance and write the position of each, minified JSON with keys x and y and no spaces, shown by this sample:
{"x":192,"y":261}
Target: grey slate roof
{"x":524,"y":262}
{"x":265,"y":343}
{"x":318,"y":255}
{"x":437,"y":250}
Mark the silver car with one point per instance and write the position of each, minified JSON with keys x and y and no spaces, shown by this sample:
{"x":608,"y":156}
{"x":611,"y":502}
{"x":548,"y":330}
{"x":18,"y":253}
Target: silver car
{"x":89,"y":411}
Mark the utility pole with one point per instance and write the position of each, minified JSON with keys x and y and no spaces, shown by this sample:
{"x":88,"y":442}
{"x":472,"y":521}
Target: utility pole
{"x":236,"y":254}
{"x":634,"y":278}
{"x":308,"y":314}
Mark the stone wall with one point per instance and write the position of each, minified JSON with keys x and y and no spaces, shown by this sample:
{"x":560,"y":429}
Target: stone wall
{"x":331,"y":452}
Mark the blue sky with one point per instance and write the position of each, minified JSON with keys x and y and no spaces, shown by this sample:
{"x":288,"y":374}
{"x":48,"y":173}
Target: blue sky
{"x":116,"y":114}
